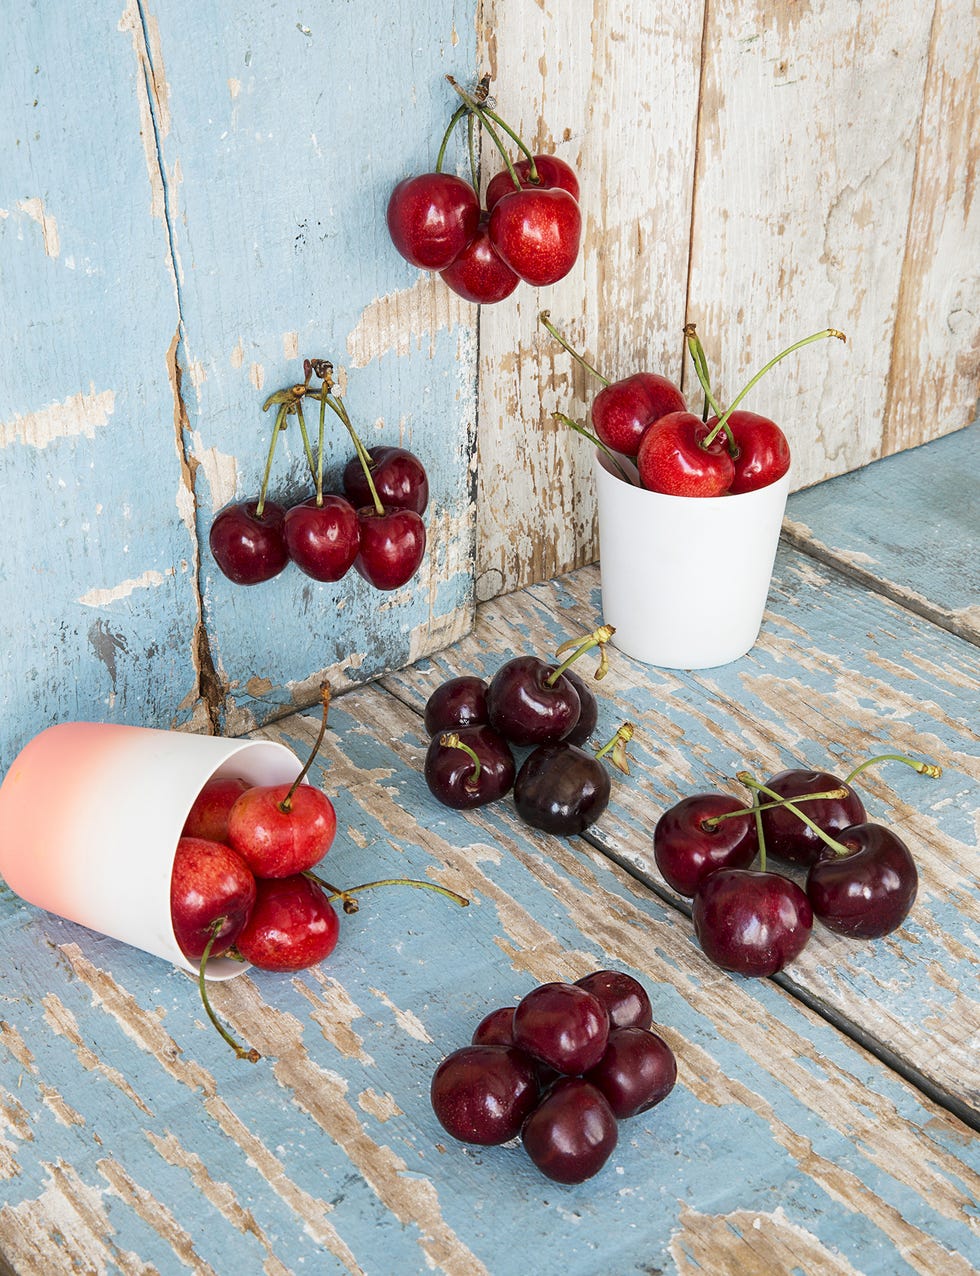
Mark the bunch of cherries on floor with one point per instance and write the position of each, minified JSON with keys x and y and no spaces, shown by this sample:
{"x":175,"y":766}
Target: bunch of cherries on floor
{"x":559,"y":1070}
{"x":643,"y":426}
{"x":375,"y":526}
{"x":242,"y":884}
{"x":529,"y":228}
{"x":860,"y":877}
{"x":474,"y":726}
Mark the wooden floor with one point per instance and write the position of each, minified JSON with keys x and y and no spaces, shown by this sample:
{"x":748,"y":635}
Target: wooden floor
{"x":824,"y":1121}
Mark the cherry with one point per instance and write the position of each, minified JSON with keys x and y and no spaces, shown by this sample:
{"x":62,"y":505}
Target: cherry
{"x":761,"y":451}
{"x":457,"y":702}
{"x":790,"y":838}
{"x":625,"y":999}
{"x":431,"y":218}
{"x":469,"y":767}
{"x":588,"y":716}
{"x":292,"y":926}
{"x":484,"y":1093}
{"x":495,"y":1028}
{"x":864,"y":883}
{"x":537,"y":232}
{"x":675,"y":458}
{"x":750,"y":921}
{"x":562,"y":789}
{"x":282,"y":829}
{"x":479,"y":274}
{"x":563,"y":1026}
{"x":699,"y":835}
{"x":248,"y":542}
{"x":572,"y":1132}
{"x":392,"y":546}
{"x":322,"y":536}
{"x":549,"y":170}
{"x":400,"y":479}
{"x":208,"y":816}
{"x":212,"y":893}
{"x":637,"y":1071}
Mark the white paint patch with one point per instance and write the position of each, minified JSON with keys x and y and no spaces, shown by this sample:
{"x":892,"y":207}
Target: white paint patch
{"x":234,"y":87}
{"x":256,"y":374}
{"x":405,"y":1019}
{"x":393,"y":323}
{"x":79,"y":414}
{"x":220,"y":471}
{"x":34,"y":208}
{"x":105,"y":597}
{"x":290,"y":345}
{"x":238,"y":355}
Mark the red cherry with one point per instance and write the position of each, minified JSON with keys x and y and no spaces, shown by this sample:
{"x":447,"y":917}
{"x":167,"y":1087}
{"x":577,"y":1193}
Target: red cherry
{"x":208,"y":816}
{"x":292,"y":926}
{"x":563,"y":1026}
{"x":392,"y":546}
{"x":483,"y":1093}
{"x":869,"y":891}
{"x":398,"y":476}
{"x":209,"y":884}
{"x":551,"y":171}
{"x":637,"y":1071}
{"x":623,"y":410}
{"x":762,"y":453}
{"x":249,"y":547}
{"x":786,"y":836}
{"x":431,"y":218}
{"x":672,"y":459}
{"x":277,"y":839}
{"x":626,"y":1000}
{"x":572,"y":1132}
{"x":537,"y":233}
{"x":322,"y":539}
{"x":687,"y":847}
{"x":479,"y":274}
{"x":751,"y":922}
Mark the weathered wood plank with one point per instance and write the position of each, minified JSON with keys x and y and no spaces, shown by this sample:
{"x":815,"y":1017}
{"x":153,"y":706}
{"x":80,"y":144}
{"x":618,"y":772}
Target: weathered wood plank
{"x":130,"y":1137}
{"x":839,"y":674}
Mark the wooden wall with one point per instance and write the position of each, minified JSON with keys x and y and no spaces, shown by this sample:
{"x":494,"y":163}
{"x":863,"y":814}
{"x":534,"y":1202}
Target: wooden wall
{"x":765,"y":170}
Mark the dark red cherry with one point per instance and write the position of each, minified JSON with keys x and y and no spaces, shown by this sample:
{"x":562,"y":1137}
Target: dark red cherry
{"x":688,"y":846}
{"x":495,"y":1028}
{"x":392,"y":546}
{"x":322,"y":538}
{"x":249,"y":547}
{"x":468,"y":767}
{"x":561,"y":789}
{"x":399,"y":478}
{"x":572,"y":1132}
{"x":484,"y":1093}
{"x":551,"y":171}
{"x":458,"y":702}
{"x":588,"y":710}
{"x":751,"y":922}
{"x":786,"y":835}
{"x":637,"y":1071}
{"x":563,"y":1026}
{"x":479,"y":274}
{"x":624,"y":997}
{"x":869,"y":891}
{"x":529,"y":705}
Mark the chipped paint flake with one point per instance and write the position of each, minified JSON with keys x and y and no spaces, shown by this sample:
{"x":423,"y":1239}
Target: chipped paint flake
{"x":220,"y":469}
{"x":392,"y":324}
{"x":79,"y":414}
{"x":105,"y":597}
{"x":34,"y":208}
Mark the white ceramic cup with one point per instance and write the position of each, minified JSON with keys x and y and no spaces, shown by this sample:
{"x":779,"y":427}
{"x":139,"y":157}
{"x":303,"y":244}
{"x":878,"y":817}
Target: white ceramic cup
{"x":90,"y":817}
{"x":685,"y":579}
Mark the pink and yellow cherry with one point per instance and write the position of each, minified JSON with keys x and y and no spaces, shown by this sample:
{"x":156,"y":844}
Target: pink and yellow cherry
{"x":208,"y":816}
{"x":431,"y":218}
{"x":293,"y":924}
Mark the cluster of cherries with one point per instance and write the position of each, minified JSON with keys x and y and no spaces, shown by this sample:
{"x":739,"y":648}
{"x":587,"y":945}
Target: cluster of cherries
{"x":242,"y":884}
{"x":645,"y":419}
{"x":529,"y":229}
{"x":375,"y":527}
{"x":529,"y":703}
{"x":860,"y":878}
{"x":559,"y":1070}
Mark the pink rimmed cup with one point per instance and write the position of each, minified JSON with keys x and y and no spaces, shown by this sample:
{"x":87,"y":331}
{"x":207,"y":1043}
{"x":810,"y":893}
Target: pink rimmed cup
{"x":685,"y":579}
{"x":90,"y":817}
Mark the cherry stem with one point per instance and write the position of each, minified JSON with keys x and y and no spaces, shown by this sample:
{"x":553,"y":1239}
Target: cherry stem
{"x":700,"y":362}
{"x":286,"y":805}
{"x":598,"y":638}
{"x":754,"y":784}
{"x":309,"y":451}
{"x":451,"y":740}
{"x":336,"y":892}
{"x":816,"y":336}
{"x":241,"y":1052}
{"x":711,"y":821}
{"x":544,"y":319}
{"x":280,"y":425}
{"x":597,"y":443}
{"x":481,"y":114}
{"x":461,"y":900}
{"x":924,"y":768}
{"x":532,"y":168}
{"x":362,"y":453}
{"x":471,"y":150}
{"x":319,"y":453}
{"x":617,"y":747}
{"x":457,"y":116}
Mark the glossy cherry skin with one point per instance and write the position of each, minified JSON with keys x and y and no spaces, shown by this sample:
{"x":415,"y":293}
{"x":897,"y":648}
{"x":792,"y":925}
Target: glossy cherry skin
{"x":787,"y":837}
{"x":625,"y":999}
{"x":562,"y":1026}
{"x":399,"y":478}
{"x":457,"y":702}
{"x":208,"y":816}
{"x":209,"y":881}
{"x":762,"y":452}
{"x":687,"y":850}
{"x":751,"y":922}
{"x":537,"y":233}
{"x":278,"y":843}
{"x":572,"y":1132}
{"x":526,"y":707}
{"x":624,"y":410}
{"x":323,"y":539}
{"x":551,"y":171}
{"x":484,"y":1093}
{"x":431,"y":218}
{"x":673,"y":461}
{"x":479,"y":274}
{"x":495,"y":1028}
{"x":392,"y":546}
{"x":637,"y":1071}
{"x":869,"y":892}
{"x":451,"y":773}
{"x":588,"y":710}
{"x":248,"y":547}
{"x":293,"y":925}
{"x":561,"y":789}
